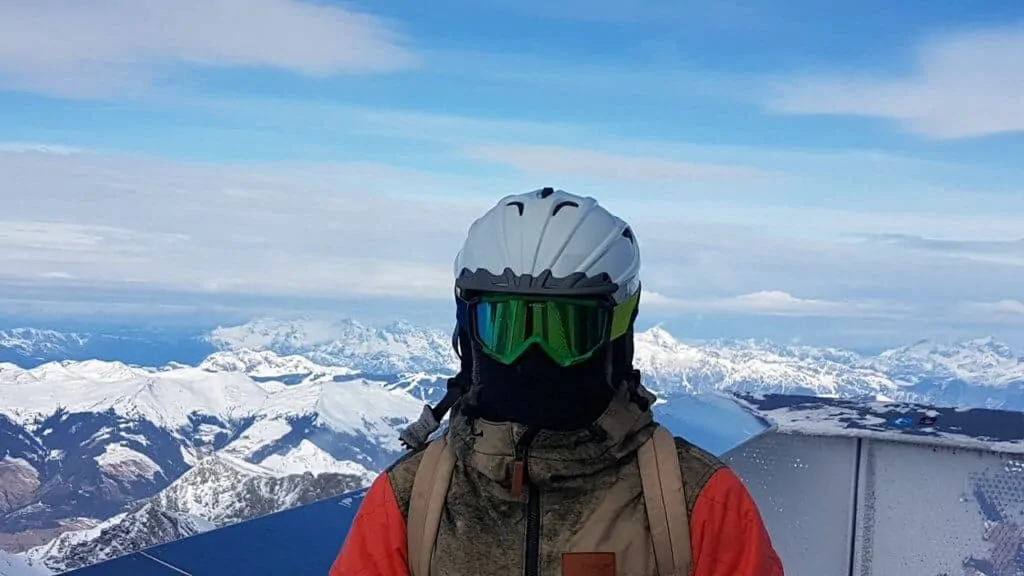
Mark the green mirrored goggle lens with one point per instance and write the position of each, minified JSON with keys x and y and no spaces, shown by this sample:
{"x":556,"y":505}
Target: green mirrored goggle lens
{"x":568,"y":330}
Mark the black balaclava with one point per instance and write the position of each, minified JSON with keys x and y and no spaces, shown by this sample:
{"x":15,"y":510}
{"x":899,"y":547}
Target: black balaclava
{"x":536,"y":392}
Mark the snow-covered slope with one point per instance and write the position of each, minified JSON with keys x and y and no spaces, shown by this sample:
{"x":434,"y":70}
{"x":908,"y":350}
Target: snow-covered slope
{"x":16,"y":565}
{"x":165,"y":398}
{"x":122,"y":534}
{"x":85,"y":439}
{"x":225,"y":490}
{"x":218,"y":491}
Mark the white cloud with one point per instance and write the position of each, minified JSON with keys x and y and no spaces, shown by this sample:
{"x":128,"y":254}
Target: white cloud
{"x":686,"y":257}
{"x":878,"y":192}
{"x":964,"y":85}
{"x":564,"y":160}
{"x":321,"y":231}
{"x":303,"y":229}
{"x":768,"y":303}
{"x":114,"y":47}
{"x":1011,"y":311}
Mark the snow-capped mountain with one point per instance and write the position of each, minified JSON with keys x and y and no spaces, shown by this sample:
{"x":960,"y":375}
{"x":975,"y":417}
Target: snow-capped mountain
{"x":672,"y":367}
{"x":121,"y":534}
{"x":91,"y":441}
{"x":266,"y":365}
{"x":218,"y":491}
{"x":31,"y":347}
{"x":980,"y":362}
{"x":973,"y":372}
{"x":224,"y":490}
{"x":26,"y":345}
{"x":981,"y":373}
{"x":87,"y":439}
{"x":395,"y":349}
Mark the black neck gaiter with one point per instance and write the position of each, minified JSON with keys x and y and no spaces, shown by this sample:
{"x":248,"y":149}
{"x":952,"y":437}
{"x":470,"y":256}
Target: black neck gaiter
{"x":536,"y":392}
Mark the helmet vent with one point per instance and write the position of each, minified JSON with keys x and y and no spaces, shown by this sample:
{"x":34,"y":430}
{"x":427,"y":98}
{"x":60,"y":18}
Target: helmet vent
{"x":563,"y":204}
{"x":628,"y":233}
{"x":518,"y":205}
{"x":544,"y":193}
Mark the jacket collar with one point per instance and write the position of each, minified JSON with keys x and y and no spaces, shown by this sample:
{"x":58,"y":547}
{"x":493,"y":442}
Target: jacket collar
{"x":554,"y":458}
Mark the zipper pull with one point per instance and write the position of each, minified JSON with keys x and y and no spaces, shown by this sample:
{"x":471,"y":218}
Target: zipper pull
{"x":518,"y":477}
{"x":519,"y":464}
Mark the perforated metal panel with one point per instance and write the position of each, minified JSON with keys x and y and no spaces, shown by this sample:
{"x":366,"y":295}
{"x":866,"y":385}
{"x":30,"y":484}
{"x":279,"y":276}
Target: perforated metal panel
{"x":804,"y":488}
{"x":932,"y":511}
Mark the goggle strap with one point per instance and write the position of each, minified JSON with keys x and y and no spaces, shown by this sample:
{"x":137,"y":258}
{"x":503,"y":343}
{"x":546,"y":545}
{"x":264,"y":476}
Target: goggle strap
{"x":622,"y":316}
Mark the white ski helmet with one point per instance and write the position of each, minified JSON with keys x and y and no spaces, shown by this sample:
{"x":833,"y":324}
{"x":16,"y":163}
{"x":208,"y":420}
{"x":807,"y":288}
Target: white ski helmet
{"x":550,"y":242}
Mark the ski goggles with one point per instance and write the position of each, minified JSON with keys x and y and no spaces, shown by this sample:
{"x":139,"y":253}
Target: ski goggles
{"x":569,"y":330}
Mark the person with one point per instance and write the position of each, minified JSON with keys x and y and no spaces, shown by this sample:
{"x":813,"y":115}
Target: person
{"x":550,"y":461}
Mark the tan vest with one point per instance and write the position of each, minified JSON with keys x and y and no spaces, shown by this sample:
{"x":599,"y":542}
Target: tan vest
{"x":663,"y":495}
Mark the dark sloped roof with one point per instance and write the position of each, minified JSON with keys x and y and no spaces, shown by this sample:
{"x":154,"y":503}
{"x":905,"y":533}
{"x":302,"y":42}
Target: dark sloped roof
{"x":300,"y":540}
{"x":996,"y":430}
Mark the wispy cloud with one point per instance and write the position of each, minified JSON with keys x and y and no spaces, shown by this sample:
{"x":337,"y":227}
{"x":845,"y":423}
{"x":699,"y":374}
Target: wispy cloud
{"x":577,"y":162}
{"x":771,"y":303}
{"x":122,"y":47}
{"x":694,"y":260}
{"x":312,"y":229}
{"x":868,"y":191}
{"x":964,"y":85}
{"x":40,"y":147}
{"x":1008,"y":311}
{"x":1009,"y":252}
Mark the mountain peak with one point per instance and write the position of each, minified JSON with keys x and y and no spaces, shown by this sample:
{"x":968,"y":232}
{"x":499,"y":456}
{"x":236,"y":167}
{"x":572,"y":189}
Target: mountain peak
{"x":258,"y":363}
{"x":658,"y":336}
{"x":400,"y":347}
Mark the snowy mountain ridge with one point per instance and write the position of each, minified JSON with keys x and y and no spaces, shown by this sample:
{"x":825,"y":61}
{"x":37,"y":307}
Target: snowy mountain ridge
{"x":402,"y":348}
{"x":397,"y":348}
{"x":30,"y":342}
{"x":337,"y":349}
{"x":161,"y":452}
{"x":264,"y":363}
{"x":173,"y":397}
{"x":979,"y":362}
{"x":86,"y":439}
{"x":30,"y":347}
{"x":119,"y":535}
{"x":218,"y":491}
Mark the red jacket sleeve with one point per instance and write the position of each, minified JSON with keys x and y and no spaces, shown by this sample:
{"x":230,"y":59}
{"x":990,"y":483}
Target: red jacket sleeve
{"x":376,"y":544}
{"x":727,"y":534}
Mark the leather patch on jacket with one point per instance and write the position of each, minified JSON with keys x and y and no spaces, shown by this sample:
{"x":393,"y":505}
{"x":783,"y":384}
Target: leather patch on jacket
{"x":588,"y":564}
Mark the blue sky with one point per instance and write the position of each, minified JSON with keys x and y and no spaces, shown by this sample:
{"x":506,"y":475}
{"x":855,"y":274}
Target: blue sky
{"x":846,"y":173}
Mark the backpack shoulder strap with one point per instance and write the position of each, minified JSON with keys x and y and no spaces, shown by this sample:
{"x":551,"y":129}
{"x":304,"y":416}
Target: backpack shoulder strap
{"x":665,"y":500}
{"x":429,"y":489}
